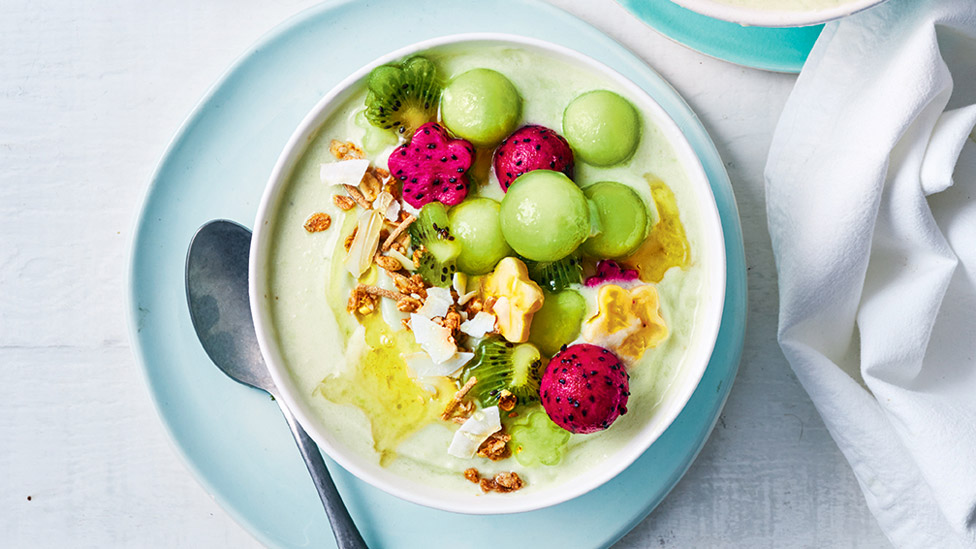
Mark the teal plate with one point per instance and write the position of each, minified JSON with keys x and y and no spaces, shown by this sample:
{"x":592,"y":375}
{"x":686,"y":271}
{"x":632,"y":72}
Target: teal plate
{"x":232,"y":437}
{"x":771,"y":49}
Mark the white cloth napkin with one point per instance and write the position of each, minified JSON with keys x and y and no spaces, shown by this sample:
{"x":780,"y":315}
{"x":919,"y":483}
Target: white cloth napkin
{"x":871,"y":198}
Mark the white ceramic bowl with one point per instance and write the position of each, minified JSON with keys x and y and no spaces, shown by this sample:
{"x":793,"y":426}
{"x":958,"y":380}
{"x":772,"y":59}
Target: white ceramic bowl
{"x":770,"y":17}
{"x":683,"y":384}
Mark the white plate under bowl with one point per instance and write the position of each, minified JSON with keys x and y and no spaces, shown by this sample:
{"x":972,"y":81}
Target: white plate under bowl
{"x":677,"y":395}
{"x":767,"y":17}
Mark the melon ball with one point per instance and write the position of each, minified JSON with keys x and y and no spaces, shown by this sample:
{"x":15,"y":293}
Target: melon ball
{"x":544,"y":216}
{"x":482,"y":106}
{"x":602,"y":128}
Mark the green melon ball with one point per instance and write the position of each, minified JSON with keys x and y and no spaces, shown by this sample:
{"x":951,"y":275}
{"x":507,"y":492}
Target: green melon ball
{"x":623,"y":220}
{"x":558,"y":322}
{"x":482,"y":106}
{"x":544,"y":216}
{"x":602,"y":128}
{"x":475,"y":224}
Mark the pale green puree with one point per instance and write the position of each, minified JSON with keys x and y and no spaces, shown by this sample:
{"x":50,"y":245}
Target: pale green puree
{"x":323,"y":345}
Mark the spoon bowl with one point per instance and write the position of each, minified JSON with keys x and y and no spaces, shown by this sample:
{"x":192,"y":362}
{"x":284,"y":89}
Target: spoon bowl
{"x":216,"y":291}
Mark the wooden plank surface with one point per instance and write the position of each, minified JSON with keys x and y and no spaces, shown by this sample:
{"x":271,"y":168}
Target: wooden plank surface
{"x":91,"y":93}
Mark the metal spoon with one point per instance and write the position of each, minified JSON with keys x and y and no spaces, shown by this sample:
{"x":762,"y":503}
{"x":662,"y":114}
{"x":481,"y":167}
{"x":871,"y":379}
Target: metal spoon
{"x":216,"y":289}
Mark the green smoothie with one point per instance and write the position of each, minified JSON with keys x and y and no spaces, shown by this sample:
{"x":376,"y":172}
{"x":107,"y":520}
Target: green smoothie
{"x":352,"y":374}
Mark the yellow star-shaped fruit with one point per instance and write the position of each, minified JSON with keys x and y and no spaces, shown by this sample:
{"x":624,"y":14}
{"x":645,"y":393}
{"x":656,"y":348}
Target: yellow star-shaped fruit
{"x":628,"y":322}
{"x":517,"y":298}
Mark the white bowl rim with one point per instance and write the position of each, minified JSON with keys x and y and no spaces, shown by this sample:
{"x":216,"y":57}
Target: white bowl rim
{"x":775,"y":18}
{"x":665,"y":412}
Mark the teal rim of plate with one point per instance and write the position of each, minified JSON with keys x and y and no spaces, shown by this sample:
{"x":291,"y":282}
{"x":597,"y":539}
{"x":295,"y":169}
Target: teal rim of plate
{"x":770,"y":49}
{"x":233,"y":438}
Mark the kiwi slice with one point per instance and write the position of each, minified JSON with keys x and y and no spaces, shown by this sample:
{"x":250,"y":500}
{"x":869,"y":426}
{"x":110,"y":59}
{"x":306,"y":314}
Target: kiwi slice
{"x":403,"y":96}
{"x":431,"y":232}
{"x":500,"y":365}
{"x":556,"y":276}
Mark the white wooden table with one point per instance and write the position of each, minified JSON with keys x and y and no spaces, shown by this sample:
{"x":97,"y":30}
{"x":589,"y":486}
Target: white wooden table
{"x":91,"y":93}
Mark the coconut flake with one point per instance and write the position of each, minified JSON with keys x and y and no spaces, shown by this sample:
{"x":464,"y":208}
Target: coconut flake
{"x":422,"y":366}
{"x":473,"y":432}
{"x":386,"y":203}
{"x":388,"y":307}
{"x":364,"y":244}
{"x":460,"y":283}
{"x":438,"y":301}
{"x":405,"y":261}
{"x":433,"y":338}
{"x":481,"y":324}
{"x":411,"y":210}
{"x":462,"y":299}
{"x":393,"y":211}
{"x":343,"y":172}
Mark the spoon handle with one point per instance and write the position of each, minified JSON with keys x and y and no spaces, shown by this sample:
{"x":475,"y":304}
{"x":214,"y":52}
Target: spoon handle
{"x":345,"y":531}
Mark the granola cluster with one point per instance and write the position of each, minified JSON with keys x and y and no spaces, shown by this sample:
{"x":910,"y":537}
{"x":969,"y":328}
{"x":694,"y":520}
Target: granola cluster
{"x":495,"y":447}
{"x":457,"y":402}
{"x":361,"y":302}
{"x":318,"y":222}
{"x":501,"y":483}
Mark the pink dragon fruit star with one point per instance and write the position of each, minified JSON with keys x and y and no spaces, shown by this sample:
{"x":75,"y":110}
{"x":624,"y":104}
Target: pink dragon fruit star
{"x":432,"y":166}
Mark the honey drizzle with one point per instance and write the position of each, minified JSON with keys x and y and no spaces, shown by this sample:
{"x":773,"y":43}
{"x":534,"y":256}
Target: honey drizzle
{"x":666,"y":246}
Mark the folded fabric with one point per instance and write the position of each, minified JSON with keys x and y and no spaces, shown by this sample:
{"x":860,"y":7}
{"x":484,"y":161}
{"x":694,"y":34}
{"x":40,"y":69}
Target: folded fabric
{"x":871,"y":200}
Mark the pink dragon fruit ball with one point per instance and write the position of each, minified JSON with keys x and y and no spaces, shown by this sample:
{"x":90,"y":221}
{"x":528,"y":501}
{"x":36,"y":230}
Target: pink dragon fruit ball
{"x":585,"y":388}
{"x":532,"y":148}
{"x":432,"y":167}
{"x":608,"y":270}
